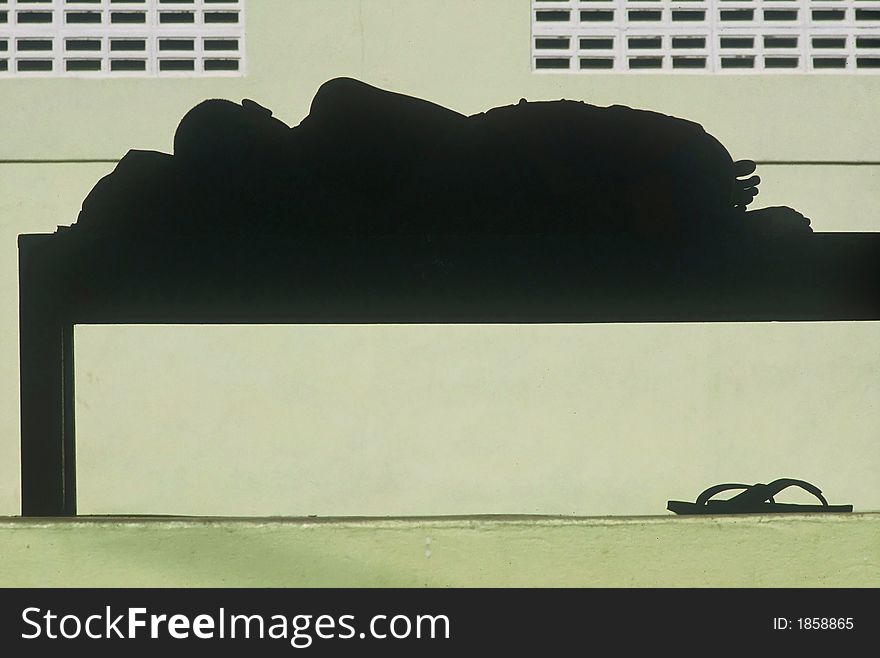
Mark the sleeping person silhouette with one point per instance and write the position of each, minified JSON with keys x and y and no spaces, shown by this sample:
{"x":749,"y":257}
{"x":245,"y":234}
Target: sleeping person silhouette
{"x":371,"y":162}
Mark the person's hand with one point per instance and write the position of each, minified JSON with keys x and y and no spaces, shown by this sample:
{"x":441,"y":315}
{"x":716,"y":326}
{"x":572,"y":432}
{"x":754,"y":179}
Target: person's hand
{"x":744,"y":189}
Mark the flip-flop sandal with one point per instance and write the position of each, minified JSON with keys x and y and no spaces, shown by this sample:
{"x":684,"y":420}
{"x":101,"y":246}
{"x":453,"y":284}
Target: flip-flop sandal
{"x":756,"y":499}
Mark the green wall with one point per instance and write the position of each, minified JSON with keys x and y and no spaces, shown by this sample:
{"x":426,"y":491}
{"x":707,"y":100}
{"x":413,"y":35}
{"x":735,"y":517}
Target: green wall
{"x":468,"y":55}
{"x":404,"y":420}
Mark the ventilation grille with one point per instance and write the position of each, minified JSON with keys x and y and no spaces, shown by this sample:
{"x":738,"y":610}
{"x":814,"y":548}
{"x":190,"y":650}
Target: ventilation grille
{"x":121,"y":38}
{"x":706,"y":36}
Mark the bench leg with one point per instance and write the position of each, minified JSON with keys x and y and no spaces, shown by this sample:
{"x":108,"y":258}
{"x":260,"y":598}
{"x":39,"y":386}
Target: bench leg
{"x":48,"y":468}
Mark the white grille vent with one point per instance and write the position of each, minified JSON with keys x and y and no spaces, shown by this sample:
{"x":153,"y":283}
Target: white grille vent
{"x":706,"y":36}
{"x":114,"y":38}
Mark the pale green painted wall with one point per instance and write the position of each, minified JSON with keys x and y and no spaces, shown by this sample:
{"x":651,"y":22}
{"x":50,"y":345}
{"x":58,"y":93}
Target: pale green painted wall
{"x":839,"y":198}
{"x":466,"y":54}
{"x":775,"y":551}
{"x":585,"y":420}
{"x":469,"y":55}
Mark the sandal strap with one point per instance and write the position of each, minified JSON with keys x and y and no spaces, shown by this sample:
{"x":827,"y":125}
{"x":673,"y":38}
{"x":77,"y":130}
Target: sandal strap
{"x":718,"y":488}
{"x":760,"y":493}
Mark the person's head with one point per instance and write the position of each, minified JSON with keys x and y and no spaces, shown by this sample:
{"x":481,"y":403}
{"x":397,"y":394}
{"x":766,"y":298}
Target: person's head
{"x":222,"y":129}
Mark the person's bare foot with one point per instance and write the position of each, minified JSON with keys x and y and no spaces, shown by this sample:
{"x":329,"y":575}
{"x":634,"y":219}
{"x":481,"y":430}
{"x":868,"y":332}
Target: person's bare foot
{"x":778,"y":219}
